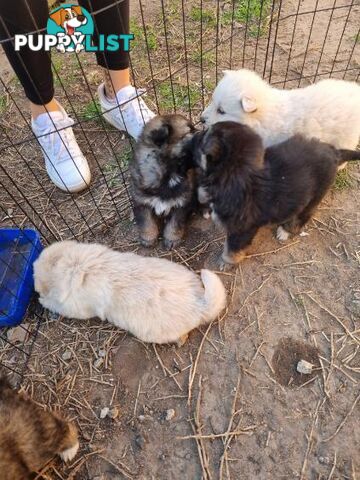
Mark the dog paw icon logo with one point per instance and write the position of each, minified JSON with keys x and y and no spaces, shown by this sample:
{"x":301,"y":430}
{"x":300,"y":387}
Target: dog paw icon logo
{"x":70,"y":24}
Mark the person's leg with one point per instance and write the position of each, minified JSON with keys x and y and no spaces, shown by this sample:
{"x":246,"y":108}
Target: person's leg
{"x":117,"y":90}
{"x":65,"y":164}
{"x":33,"y":69}
{"x":113,"y":20}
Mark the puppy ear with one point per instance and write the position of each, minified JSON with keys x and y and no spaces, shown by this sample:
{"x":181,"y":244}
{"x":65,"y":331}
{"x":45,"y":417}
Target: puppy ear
{"x":57,"y":17}
{"x":248,"y":104}
{"x":77,"y":9}
{"x":212,"y":150}
{"x":160,"y":135}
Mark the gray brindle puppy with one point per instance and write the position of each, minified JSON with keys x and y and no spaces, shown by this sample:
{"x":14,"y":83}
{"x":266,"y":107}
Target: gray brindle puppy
{"x":163,"y":181}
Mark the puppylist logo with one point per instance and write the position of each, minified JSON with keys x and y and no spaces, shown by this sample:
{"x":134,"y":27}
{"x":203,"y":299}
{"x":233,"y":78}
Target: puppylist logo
{"x":70,"y":29}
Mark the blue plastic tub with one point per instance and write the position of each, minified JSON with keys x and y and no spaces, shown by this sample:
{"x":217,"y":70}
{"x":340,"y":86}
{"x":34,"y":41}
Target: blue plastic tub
{"x":18,"y":251}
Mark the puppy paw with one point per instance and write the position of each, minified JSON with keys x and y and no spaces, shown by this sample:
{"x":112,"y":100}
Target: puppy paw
{"x":169,"y":244}
{"x":148,"y":242}
{"x":68,"y":454}
{"x":226,"y":266}
{"x":281,"y":234}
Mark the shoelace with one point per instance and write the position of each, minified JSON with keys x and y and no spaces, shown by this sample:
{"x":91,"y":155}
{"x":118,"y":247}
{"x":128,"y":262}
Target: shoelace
{"x":67,"y":146}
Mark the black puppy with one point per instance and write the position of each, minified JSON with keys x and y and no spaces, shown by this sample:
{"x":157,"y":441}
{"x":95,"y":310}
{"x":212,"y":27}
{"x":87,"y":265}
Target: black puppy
{"x":248,"y":187}
{"x":163,"y":183}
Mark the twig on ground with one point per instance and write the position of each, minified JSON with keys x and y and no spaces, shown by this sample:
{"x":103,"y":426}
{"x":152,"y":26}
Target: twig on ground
{"x":335,"y":317}
{"x":333,"y":468}
{"x":228,"y":437}
{"x":343,"y":421}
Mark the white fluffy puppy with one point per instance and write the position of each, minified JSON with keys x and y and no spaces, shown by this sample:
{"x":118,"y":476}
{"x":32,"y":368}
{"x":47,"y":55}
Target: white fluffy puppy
{"x":328,"y":110}
{"x":156,"y":300}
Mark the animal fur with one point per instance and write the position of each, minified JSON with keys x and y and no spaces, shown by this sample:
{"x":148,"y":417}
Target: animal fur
{"x":163,"y":184}
{"x":249,"y":187}
{"x":327,"y":110}
{"x":30,"y":436}
{"x":156,"y":300}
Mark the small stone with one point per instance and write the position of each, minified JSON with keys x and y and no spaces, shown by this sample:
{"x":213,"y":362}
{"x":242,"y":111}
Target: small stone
{"x":104,"y":412}
{"x":188,"y":456}
{"x":10,"y":212}
{"x":66,"y":355}
{"x":18,"y":334}
{"x":113,"y":413}
{"x":170,"y":414}
{"x":102,"y":353}
{"x":98,"y":362}
{"x":140,"y":441}
{"x":324,"y":460}
{"x":304,"y":367}
{"x":304,"y":234}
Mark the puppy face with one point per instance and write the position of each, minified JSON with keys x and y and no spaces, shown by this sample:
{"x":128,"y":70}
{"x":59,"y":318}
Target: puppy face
{"x":69,"y":18}
{"x":164,"y":151}
{"x":226,"y":144}
{"x":53,"y":277}
{"x":236,"y":98}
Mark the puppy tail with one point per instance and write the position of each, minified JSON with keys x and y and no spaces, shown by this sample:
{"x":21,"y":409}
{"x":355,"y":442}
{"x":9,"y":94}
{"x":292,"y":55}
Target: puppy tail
{"x":215,"y":294}
{"x":348,"y":156}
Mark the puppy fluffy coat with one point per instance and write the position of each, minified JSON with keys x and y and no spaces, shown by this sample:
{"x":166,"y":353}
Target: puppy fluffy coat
{"x":327,"y":110}
{"x":163,"y":189}
{"x":156,"y":300}
{"x":249,"y":188}
{"x":30,"y":436}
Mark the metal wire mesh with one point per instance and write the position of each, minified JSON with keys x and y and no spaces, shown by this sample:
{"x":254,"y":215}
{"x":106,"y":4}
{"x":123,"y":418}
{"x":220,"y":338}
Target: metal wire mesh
{"x":179,"y":51}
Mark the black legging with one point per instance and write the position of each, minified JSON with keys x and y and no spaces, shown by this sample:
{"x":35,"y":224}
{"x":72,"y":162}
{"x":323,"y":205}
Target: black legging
{"x":34,"y":68}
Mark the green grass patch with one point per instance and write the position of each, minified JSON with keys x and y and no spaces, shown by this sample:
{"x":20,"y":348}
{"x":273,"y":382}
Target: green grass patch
{"x":207,"y":57}
{"x":181,"y":96}
{"x":3,"y":104}
{"x":91,"y":111}
{"x":343,"y":180}
{"x":254,"y":12}
{"x":139,"y":36}
{"x":208,"y":16}
{"x":112,"y":169}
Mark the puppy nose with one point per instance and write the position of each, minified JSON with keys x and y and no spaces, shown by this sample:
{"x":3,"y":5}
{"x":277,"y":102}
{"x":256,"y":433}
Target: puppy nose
{"x":81,"y":18}
{"x":202,"y":119}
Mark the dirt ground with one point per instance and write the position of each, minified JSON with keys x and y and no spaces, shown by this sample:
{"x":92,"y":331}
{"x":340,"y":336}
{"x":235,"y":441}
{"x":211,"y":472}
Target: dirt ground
{"x":229,"y":404}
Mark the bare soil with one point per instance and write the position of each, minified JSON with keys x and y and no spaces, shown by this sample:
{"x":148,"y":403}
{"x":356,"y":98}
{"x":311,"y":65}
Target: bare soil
{"x":229,"y":404}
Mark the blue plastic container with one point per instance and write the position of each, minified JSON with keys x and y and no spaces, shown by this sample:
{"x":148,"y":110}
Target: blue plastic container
{"x":18,"y":251}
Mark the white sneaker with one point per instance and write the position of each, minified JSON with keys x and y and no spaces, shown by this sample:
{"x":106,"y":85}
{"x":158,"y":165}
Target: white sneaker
{"x":132,"y":112}
{"x":65,"y":164}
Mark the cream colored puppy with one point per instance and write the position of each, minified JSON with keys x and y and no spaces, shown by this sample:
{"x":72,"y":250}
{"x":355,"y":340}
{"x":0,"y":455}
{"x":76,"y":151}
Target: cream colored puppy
{"x":156,"y":300}
{"x":328,"y":110}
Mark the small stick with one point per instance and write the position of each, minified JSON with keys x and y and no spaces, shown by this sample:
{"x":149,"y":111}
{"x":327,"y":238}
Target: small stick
{"x":229,"y":437}
{"x":333,"y":468}
{"x":335,"y":317}
{"x":244,"y":431}
{"x":165,"y":370}
{"x":309,"y":443}
{"x":193,"y":368}
{"x":272,"y":251}
{"x":123,"y":469}
{"x":256,"y":353}
{"x":137,"y":398}
{"x":344,"y":420}
{"x":255,"y":291}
